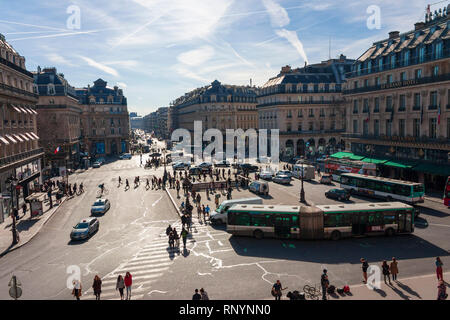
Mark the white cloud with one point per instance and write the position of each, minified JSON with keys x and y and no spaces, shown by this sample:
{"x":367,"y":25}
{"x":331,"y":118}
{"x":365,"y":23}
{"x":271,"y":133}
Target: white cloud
{"x":293,"y":39}
{"x":196,"y":57}
{"x":58,"y":59}
{"x":121,"y":85}
{"x":122,"y":63}
{"x":100,"y":66}
{"x":278,"y":15}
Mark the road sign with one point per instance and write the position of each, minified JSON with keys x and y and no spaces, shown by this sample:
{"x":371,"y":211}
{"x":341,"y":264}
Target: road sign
{"x":15,"y":292}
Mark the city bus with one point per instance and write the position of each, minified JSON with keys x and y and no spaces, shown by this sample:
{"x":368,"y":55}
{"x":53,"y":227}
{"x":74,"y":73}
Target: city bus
{"x":383,"y":188}
{"x":322,"y":221}
{"x":447,"y":193}
{"x":336,"y":167}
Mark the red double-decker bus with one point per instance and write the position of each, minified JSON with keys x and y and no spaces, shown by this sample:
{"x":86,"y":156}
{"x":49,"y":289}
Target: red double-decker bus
{"x":337,"y":166}
{"x":447,"y":193}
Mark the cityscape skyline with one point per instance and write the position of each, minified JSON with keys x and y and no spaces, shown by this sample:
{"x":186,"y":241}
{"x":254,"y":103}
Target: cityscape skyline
{"x":233,"y":42}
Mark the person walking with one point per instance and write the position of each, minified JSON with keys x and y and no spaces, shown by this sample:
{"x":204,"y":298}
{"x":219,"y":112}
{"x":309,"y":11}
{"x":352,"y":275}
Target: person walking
{"x":128,"y":283}
{"x":97,"y":287}
{"x":204,"y":294}
{"x":120,"y":285}
{"x":324,"y":282}
{"x":24,"y":209}
{"x":199,"y":212}
{"x":196,"y":295}
{"x":365,"y":266}
{"x":176,"y":237}
{"x":171,"y":240}
{"x":386,"y":274}
{"x":439,"y":265}
{"x":76,"y":292}
{"x":168,"y":230}
{"x":189,"y":222}
{"x":183,"y":220}
{"x":276,"y":290}
{"x":207,"y":209}
{"x":393,"y":268}
{"x":178,"y":189}
{"x":204,"y":212}
{"x":184,"y":235}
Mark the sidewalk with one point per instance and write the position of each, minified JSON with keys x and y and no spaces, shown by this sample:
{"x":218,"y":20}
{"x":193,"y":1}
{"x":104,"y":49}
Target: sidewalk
{"x":414,"y":288}
{"x":26,"y":228}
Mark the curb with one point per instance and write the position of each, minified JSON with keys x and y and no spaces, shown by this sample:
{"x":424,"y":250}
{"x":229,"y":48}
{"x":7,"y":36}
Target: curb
{"x":35,"y":233}
{"x":434,"y":200}
{"x":173,"y":202}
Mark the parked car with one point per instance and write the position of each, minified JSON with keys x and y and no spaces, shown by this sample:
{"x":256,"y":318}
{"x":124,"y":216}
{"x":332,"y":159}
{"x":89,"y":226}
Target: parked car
{"x":101,"y":160}
{"x":263,"y":159}
{"x":282,"y":178}
{"x":339,"y":194}
{"x":125,"y":156}
{"x":205,"y":166}
{"x":195,"y":171}
{"x":181,"y":166}
{"x":266,"y":175}
{"x":248,"y":167}
{"x":326,"y":179}
{"x":96,"y":164}
{"x":260,"y":187}
{"x":285,"y":172}
{"x":84,"y":229}
{"x":222,"y":164}
{"x":100,"y":206}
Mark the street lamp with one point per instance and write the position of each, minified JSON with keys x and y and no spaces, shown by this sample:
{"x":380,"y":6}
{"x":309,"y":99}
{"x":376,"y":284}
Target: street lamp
{"x":12,"y":182}
{"x":302,"y":190}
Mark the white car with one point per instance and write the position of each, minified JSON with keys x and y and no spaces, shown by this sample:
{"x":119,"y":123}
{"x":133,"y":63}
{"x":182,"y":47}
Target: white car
{"x":100,"y":206}
{"x":282,"y":178}
{"x":126,"y":156}
{"x":181,"y":166}
{"x":285,"y":172}
{"x":266,"y":175}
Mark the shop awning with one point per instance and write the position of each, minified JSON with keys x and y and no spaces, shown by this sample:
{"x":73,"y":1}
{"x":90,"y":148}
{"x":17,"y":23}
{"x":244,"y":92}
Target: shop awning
{"x":18,"y":138}
{"x":30,"y":136}
{"x":23,"y":136}
{"x":15,"y":108}
{"x":341,"y":155}
{"x":32,"y":110}
{"x":11,"y":138}
{"x":3,"y":140}
{"x":400,"y":164}
{"x":374,"y":160}
{"x":437,"y":169}
{"x":34,"y":135}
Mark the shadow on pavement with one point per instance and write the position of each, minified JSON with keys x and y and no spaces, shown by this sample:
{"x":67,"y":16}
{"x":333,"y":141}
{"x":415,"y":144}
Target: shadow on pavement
{"x":406,"y":288}
{"x":431,"y":212}
{"x":24,"y":225}
{"x":342,"y":251}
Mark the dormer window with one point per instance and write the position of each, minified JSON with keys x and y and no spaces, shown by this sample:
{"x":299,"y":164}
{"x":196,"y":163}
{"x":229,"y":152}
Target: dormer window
{"x":51,"y":89}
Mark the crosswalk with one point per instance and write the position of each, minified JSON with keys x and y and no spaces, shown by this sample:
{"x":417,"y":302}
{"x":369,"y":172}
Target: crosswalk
{"x":150,"y":263}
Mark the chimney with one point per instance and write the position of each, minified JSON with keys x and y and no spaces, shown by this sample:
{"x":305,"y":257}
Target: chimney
{"x":286,"y":69}
{"x":419,"y":25}
{"x":394,"y":34}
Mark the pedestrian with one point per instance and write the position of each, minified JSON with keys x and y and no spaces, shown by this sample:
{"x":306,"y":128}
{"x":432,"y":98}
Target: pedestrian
{"x":324,"y":282}
{"x":168,"y":230}
{"x":97,"y":286}
{"x":76,"y":292}
{"x":171,"y":240}
{"x":120,"y":285}
{"x":189,"y":222}
{"x":198,"y":199}
{"x":128,"y":283}
{"x":393,"y":268}
{"x":439,"y":265}
{"x":216,"y":200}
{"x":204,"y":294}
{"x":183,"y":220}
{"x":204,"y":212}
{"x":276,"y":290}
{"x":196,"y":295}
{"x":365,"y":266}
{"x":385,"y":268}
{"x":442,"y":291}
{"x":176,"y":237}
{"x":178,"y":189}
{"x":184,"y":234}
{"x":24,"y":209}
{"x":199,"y":212}
{"x":207,"y":209}
{"x":318,"y":171}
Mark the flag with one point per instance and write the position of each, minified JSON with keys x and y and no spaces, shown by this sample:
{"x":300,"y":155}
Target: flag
{"x":57,"y":150}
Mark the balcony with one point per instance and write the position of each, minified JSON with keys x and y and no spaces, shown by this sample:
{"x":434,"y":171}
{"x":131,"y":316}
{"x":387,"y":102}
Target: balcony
{"x":422,"y":139}
{"x":21,"y":156}
{"x":17,"y":90}
{"x":312,"y":132}
{"x":400,"y":84}
{"x":277,"y":103}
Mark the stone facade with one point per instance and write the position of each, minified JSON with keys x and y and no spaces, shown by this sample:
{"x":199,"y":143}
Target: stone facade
{"x":398,"y":102}
{"x":306,"y":105}
{"x":20,"y":154}
{"x":105,"y":122}
{"x":59,"y":118}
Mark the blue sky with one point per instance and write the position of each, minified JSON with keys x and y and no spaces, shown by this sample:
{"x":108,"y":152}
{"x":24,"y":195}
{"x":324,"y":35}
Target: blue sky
{"x":157,"y":50}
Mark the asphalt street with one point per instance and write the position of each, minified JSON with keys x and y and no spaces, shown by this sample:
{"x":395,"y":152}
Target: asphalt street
{"x":132,"y":238}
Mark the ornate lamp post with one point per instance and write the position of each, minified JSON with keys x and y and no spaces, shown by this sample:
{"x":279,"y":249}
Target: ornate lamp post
{"x":302,"y":190}
{"x":12,"y":182}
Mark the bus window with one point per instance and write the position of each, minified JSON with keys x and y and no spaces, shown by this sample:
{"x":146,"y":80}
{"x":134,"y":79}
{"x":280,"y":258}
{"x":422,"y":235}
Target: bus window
{"x":389,"y":218}
{"x":371,"y":218}
{"x":329,"y":220}
{"x":347,"y":219}
{"x":418,"y":188}
{"x":242,"y":219}
{"x":281,"y":220}
{"x":269,"y":220}
{"x":345,"y":180}
{"x":258,"y":220}
{"x":339,"y":220}
{"x":295,"y":223}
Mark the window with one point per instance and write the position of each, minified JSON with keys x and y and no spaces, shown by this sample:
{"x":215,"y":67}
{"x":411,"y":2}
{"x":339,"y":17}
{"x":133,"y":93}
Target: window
{"x":355,"y":126}
{"x":321,"y":125}
{"x":355,"y":106}
{"x":433,"y":100}
{"x":299,"y":127}
{"x":355,"y":84}
{"x":376,"y":127}
{"x":365,"y":128}
{"x":377,"y":81}
{"x":433,"y":124}
{"x":377,"y":105}
{"x":401,"y":127}
{"x":258,"y":220}
{"x":416,"y":101}
{"x":322,"y":112}
{"x":421,"y":54}
{"x":438,"y":50}
{"x":416,"y":128}
{"x":388,"y":103}
{"x":300,"y":114}
{"x":333,"y":125}
{"x":435,"y":71}
{"x":389,"y":78}
{"x":392,"y":62}
{"x":403,"y":76}
{"x":311,"y":126}
{"x":402,"y":106}
{"x":418,"y":73}
{"x":366,"y":83}
{"x":448,"y":128}
{"x":406,"y":58}
{"x":289,"y":128}
{"x":389,"y":218}
{"x":311,"y":113}
{"x":388,"y":127}
{"x":366,"y":105}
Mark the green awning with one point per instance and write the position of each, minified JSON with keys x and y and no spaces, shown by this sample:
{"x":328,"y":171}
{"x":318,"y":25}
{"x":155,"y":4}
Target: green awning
{"x":438,"y":169}
{"x":355,"y":157}
{"x":341,"y":155}
{"x":400,"y":164}
{"x":373,"y":160}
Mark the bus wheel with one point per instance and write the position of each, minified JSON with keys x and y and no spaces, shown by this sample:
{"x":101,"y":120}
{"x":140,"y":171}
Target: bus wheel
{"x":335,"y":235}
{"x":390,"y":232}
{"x":258,"y":234}
{"x":389,"y":198}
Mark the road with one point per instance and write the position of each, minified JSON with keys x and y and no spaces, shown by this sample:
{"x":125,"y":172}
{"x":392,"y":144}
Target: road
{"x":132,"y":238}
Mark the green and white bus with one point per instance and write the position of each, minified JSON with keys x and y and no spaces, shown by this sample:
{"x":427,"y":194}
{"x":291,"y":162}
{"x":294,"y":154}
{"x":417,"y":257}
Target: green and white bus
{"x":384,"y":188}
{"x":321,"y":222}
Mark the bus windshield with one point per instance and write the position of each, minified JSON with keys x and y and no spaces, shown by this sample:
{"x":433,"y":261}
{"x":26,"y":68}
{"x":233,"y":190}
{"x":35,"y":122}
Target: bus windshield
{"x":221,"y":209}
{"x":418,"y":188}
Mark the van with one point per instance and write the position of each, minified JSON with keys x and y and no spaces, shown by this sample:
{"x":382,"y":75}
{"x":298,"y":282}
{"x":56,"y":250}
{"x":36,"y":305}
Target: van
{"x":307,"y":171}
{"x":260,"y":187}
{"x":220,"y":214}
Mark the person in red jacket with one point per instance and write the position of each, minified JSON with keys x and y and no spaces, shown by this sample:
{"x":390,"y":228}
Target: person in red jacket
{"x":128,"y":282}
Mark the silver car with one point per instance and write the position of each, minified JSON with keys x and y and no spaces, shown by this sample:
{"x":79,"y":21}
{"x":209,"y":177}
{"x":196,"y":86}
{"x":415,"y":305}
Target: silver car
{"x":285,"y":172}
{"x":84,"y":229}
{"x":282,"y":178}
{"x":266,"y":175}
{"x":100,"y":206}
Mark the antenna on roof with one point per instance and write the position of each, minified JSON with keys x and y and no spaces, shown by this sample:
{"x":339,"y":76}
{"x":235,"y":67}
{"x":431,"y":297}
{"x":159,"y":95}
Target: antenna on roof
{"x":329,"y":48}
